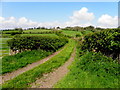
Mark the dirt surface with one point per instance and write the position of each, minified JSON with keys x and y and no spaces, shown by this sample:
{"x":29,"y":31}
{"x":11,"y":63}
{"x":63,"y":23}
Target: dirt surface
{"x":13,"y":74}
{"x":48,"y":80}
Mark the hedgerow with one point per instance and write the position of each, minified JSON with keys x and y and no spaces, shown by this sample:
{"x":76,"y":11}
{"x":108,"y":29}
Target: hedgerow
{"x":106,"y":41}
{"x":37,"y":42}
{"x":42,"y":32}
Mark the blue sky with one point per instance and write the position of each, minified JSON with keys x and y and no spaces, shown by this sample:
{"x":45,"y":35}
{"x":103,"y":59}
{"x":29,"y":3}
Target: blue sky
{"x":51,"y":11}
{"x":56,"y":11}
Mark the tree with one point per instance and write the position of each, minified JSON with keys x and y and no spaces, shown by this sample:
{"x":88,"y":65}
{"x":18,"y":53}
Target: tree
{"x":58,"y":28}
{"x":89,"y":27}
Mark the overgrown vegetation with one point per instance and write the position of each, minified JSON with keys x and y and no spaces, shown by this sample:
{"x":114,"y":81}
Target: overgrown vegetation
{"x":106,"y":41}
{"x":30,"y":76}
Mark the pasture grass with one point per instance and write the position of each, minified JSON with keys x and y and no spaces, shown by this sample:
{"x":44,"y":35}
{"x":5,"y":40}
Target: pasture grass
{"x":30,"y":76}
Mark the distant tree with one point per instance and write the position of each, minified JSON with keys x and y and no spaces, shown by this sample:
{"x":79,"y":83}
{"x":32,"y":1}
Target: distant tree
{"x":89,"y":27}
{"x":42,"y":27}
{"x":19,"y":29}
{"x":57,"y":28}
{"x":38,"y":28}
{"x":34,"y":27}
{"x":77,"y":28}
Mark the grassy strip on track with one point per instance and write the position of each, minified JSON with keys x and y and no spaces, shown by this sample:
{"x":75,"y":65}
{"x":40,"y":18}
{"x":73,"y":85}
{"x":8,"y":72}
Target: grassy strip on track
{"x":30,"y":76}
{"x":12,"y":63}
{"x":92,"y":70}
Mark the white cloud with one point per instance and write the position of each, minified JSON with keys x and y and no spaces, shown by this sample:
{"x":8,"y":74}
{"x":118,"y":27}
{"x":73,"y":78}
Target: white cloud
{"x":23,"y":20}
{"x":12,"y":22}
{"x":50,"y":24}
{"x":80,"y":17}
{"x":2,"y":19}
{"x":107,"y":21}
{"x":8,"y":22}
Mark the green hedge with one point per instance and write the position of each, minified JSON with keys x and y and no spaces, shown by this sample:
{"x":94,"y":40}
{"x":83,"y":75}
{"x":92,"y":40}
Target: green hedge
{"x":42,"y":32}
{"x":37,"y":42}
{"x":106,"y":41}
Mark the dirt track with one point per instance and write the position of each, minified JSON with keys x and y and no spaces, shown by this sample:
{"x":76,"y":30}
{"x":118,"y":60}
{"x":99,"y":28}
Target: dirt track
{"x":48,"y":80}
{"x":13,"y":74}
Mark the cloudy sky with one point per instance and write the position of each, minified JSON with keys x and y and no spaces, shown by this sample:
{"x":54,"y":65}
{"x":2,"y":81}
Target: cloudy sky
{"x":52,"y":14}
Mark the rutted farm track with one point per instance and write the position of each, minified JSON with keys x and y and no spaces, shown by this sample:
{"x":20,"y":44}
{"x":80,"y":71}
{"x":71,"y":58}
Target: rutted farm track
{"x":54,"y":64}
{"x":9,"y":76}
{"x":48,"y":80}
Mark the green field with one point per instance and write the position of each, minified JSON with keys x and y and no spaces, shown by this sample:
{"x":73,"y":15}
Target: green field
{"x":7,"y":36}
{"x":71,"y":33}
{"x":37,"y":30}
{"x":9,"y":31}
{"x":51,"y":35}
{"x":4,"y":49}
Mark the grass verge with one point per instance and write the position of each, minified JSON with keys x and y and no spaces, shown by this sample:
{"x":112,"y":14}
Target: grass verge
{"x":30,"y":76}
{"x":12,"y":63}
{"x":92,"y":70}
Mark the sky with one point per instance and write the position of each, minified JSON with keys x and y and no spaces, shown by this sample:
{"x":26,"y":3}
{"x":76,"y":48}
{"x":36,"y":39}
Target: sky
{"x":53,"y":14}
